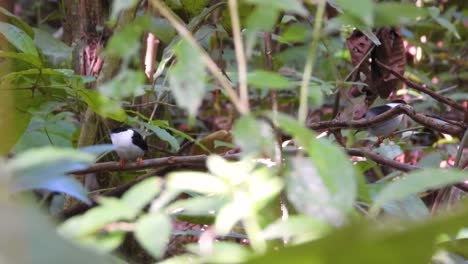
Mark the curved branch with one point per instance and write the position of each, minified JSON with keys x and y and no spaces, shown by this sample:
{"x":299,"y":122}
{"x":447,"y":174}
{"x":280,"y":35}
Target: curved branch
{"x":380,"y":159}
{"x":406,"y":109}
{"x":423,"y":88}
{"x":149,"y":163}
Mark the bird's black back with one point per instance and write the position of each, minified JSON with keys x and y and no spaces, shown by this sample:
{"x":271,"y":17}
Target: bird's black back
{"x":138,"y":140}
{"x":119,"y":129}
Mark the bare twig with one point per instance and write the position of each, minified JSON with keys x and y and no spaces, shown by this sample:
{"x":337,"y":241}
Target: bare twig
{"x":406,"y":109}
{"x":149,"y":163}
{"x":268,"y":42}
{"x":381,"y":160}
{"x":423,"y":88}
{"x":461,"y":148}
{"x":240,"y":55}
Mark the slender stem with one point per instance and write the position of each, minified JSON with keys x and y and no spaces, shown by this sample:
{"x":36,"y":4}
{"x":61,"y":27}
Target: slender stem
{"x":309,"y":66}
{"x":209,"y":63}
{"x":461,"y":147}
{"x":240,"y":56}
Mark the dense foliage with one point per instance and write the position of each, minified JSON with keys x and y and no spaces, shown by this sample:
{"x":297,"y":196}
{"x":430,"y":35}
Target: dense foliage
{"x":252,"y":112}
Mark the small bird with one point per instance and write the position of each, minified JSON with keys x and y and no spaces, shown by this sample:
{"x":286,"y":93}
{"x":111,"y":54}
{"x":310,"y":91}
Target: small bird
{"x":385,"y":128}
{"x":130,"y":145}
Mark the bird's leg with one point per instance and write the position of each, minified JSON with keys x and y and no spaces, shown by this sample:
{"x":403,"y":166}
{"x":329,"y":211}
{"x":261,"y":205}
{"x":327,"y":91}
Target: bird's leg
{"x":122,"y":163}
{"x":139,"y":161}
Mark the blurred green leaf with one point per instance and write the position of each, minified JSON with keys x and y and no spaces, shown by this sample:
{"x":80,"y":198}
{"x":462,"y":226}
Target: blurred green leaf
{"x":416,"y":182}
{"x":142,"y":193}
{"x":102,"y":105}
{"x":33,"y":60}
{"x":265,"y":79}
{"x":408,"y":208}
{"x":199,"y":182}
{"x":163,"y":30}
{"x":126,"y":42}
{"x":127,"y":83}
{"x":379,"y":244}
{"x":296,"y":33}
{"x":193,"y":7}
{"x":18,"y":38}
{"x":187,"y":78}
{"x":362,"y":10}
{"x":297,"y":227}
{"x":334,"y":186}
{"x":120,"y":5}
{"x":293,"y":6}
{"x":435,"y":14}
{"x":254,"y":136}
{"x":56,"y":52}
{"x":388,"y":14}
{"x":90,"y":223}
{"x":152,"y":231}
{"x":222,"y":252}
{"x":16,"y":21}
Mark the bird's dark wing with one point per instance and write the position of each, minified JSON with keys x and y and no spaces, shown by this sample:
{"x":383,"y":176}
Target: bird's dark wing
{"x":375,"y":111}
{"x":138,"y":140}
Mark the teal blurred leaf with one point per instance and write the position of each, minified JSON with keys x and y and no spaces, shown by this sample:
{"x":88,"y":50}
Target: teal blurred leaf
{"x":188,"y":77}
{"x":269,"y":80}
{"x":152,"y":231}
{"x":416,"y":182}
{"x":46,"y":168}
{"x":121,"y":5}
{"x":297,"y":227}
{"x":292,"y":6}
{"x":18,"y":38}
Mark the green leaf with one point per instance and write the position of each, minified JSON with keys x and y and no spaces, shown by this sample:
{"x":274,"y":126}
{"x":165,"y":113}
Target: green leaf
{"x":254,"y":137}
{"x":187,"y":77}
{"x":46,"y":168}
{"x":164,"y":135}
{"x":388,"y":14}
{"x":196,"y":182}
{"x":152,"y":231}
{"x":18,"y":38}
{"x":126,"y":42}
{"x":265,"y":79}
{"x":57,"y":53}
{"x":333,"y":171}
{"x":416,"y":182}
{"x":42,"y":71}
{"x":88,"y":224}
{"x":295,"y":33}
{"x":142,"y":193}
{"x":120,"y":5}
{"x":292,"y":6}
{"x":33,"y":60}
{"x":362,"y":10}
{"x":193,"y":7}
{"x":163,"y":30}
{"x":127,"y":83}
{"x":379,"y":244}
{"x":389,"y":150}
{"x":435,"y":14}
{"x":298,"y":227}
{"x":102,"y":105}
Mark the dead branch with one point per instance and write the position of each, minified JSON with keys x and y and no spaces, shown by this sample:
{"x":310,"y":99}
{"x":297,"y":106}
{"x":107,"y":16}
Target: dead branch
{"x":149,"y":163}
{"x":456,"y":130}
{"x":423,"y":88}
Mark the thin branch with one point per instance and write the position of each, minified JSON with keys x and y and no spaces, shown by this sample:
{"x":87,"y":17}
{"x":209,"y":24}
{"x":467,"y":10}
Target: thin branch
{"x":149,"y":163}
{"x":309,"y":66}
{"x":406,"y":109}
{"x":240,"y":55}
{"x":423,"y":88}
{"x":210,"y":64}
{"x":381,"y":160}
{"x":461,"y":148}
